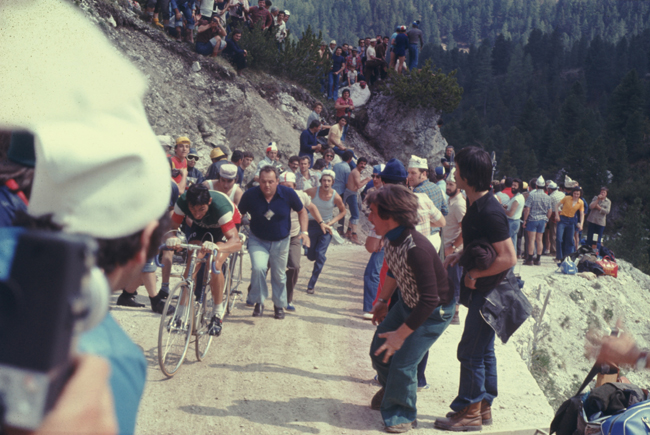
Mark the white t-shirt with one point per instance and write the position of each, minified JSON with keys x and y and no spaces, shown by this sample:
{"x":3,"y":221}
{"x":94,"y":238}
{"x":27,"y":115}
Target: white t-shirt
{"x":453,"y":228}
{"x":371,"y":52}
{"x":295,"y":222}
{"x":518,"y":199}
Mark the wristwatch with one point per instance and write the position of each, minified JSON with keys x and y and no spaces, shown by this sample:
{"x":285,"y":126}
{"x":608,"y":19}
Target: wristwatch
{"x":382,"y":300}
{"x":470,"y":277}
{"x":306,"y":233}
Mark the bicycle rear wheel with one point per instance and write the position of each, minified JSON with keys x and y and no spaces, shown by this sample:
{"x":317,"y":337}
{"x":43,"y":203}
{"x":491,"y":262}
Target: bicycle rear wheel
{"x":175,"y":329}
{"x":234,"y":281}
{"x":204,"y":307}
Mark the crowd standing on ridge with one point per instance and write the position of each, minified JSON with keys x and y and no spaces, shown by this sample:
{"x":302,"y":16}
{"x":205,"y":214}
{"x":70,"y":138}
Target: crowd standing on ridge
{"x":415,"y":277}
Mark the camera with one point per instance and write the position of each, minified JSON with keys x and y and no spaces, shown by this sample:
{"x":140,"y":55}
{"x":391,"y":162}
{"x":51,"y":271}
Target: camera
{"x":50,"y":292}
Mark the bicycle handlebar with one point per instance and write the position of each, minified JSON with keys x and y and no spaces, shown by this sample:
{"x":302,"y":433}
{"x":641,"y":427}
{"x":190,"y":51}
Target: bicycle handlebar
{"x":188,"y":246}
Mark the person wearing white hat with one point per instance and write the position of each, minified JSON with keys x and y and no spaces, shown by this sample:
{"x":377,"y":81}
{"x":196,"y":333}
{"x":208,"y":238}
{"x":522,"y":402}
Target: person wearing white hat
{"x":537,"y":211}
{"x":226,"y":184}
{"x":419,"y":182}
{"x":550,"y":232}
{"x":288,"y":179}
{"x":115,"y":190}
{"x":268,"y":160}
{"x":320,"y":231}
{"x":269,"y":206}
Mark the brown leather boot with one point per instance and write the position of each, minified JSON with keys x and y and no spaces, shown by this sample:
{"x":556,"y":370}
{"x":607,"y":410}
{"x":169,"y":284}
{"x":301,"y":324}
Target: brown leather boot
{"x":486,"y":413}
{"x":467,"y":419}
{"x":375,"y":403}
{"x":354,"y":238}
{"x":348,"y":233}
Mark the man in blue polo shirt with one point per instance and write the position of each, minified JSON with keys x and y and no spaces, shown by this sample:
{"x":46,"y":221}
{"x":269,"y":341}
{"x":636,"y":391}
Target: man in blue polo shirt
{"x":269,"y":206}
{"x":308,"y":142}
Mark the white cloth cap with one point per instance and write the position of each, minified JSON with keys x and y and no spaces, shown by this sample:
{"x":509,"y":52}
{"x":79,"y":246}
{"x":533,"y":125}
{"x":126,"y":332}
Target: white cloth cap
{"x":287,"y":177}
{"x":569,"y":183}
{"x":328,"y":172}
{"x":228,"y":171}
{"x":552,"y":185}
{"x":100,"y":169}
{"x":272,"y":146}
{"x":418,"y":162}
{"x":540,"y":181}
{"x":452,"y":175}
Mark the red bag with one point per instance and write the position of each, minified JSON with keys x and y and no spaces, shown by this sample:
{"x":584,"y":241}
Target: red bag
{"x":609,"y":266}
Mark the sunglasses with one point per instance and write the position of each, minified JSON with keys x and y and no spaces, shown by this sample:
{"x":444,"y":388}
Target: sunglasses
{"x":329,"y":155}
{"x":192,"y":157}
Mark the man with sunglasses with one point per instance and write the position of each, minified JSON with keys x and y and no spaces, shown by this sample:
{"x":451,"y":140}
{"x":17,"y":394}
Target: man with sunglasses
{"x":329,"y":159}
{"x":194,"y":176}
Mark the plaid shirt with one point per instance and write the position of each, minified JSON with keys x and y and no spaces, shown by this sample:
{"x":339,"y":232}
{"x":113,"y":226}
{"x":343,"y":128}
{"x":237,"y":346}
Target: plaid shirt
{"x":304,"y":184}
{"x":539,"y":204}
{"x":434,"y":193}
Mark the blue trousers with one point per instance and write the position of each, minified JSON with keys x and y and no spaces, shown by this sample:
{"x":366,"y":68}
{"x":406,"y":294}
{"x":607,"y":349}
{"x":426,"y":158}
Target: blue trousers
{"x":414,"y":52}
{"x":332,"y":86}
{"x":263,"y":253}
{"x":478,"y":364}
{"x":594,"y":229}
{"x":371,"y":279}
{"x":564,"y":243}
{"x":455,"y":273}
{"x":318,"y":244}
{"x":514,"y":229}
{"x":398,"y":375}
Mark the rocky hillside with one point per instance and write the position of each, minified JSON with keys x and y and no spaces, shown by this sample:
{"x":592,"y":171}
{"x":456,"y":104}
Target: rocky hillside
{"x":204,"y":99}
{"x":553,"y":345}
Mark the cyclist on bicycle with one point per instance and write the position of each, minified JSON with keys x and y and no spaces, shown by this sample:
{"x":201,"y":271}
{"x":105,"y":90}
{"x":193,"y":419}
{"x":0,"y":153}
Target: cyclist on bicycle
{"x":211,"y":213}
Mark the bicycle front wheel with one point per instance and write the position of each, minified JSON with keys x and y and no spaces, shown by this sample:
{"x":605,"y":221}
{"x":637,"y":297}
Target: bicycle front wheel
{"x":175,"y":329}
{"x":234,"y":280}
{"x":202,"y":319}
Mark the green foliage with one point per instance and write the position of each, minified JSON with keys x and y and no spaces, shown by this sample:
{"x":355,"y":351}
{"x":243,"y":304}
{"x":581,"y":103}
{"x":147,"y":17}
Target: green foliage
{"x":633,"y":242}
{"x":298,"y":61}
{"x":541,"y":362}
{"x":426,"y":87}
{"x":608,"y":314}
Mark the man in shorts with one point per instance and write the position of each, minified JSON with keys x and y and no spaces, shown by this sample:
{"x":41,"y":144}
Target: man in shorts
{"x":213,"y":218}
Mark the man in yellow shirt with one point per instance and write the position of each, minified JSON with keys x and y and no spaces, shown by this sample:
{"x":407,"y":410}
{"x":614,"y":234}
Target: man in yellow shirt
{"x":565,"y":212}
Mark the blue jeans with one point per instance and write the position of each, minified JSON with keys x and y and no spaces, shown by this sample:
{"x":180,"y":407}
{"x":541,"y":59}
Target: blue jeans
{"x":352,"y":201}
{"x":345,"y":131}
{"x":398,"y":376}
{"x":564,"y":242}
{"x":263,"y":253}
{"x":371,"y":279}
{"x":185,"y":8}
{"x":318,"y":244}
{"x":414,"y":53}
{"x":514,"y":229}
{"x":595,"y":229}
{"x":332,"y":86}
{"x":478,"y":364}
{"x":455,"y":274}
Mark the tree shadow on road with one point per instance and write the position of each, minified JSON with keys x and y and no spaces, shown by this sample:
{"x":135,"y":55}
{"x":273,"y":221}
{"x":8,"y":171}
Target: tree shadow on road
{"x":276,"y":368}
{"x":295,"y":413}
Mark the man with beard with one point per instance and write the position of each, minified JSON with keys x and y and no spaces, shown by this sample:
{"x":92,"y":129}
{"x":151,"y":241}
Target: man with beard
{"x":453,"y":237}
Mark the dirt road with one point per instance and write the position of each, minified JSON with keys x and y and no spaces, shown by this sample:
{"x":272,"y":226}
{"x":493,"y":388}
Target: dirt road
{"x":308,"y":373}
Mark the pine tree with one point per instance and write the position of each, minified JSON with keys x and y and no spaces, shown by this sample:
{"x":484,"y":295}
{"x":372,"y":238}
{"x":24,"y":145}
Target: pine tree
{"x":501,"y":55}
{"x":633,"y":243}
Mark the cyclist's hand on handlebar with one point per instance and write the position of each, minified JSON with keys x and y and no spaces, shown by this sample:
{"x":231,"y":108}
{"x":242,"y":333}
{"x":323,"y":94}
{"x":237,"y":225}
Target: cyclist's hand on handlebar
{"x":173,"y":243}
{"x":208,"y":247}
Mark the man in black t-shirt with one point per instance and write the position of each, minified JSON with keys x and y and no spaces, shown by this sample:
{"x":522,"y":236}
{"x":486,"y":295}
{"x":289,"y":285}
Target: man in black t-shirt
{"x":485,"y":220}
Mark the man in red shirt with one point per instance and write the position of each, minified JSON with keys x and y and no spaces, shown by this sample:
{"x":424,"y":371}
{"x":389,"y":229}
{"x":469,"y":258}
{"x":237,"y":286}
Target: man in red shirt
{"x":344,"y":107}
{"x":259,"y":12}
{"x":179,"y":160}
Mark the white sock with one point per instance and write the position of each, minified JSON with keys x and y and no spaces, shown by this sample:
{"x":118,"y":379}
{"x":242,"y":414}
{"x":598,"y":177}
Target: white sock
{"x":218,"y":309}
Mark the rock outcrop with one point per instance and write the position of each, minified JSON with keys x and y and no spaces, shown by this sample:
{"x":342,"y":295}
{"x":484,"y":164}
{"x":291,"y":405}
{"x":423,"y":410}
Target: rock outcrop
{"x":398,"y":131}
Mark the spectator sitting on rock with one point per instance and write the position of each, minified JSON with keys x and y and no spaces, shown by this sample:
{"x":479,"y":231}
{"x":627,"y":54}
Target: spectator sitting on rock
{"x":183,"y":8}
{"x":261,"y":14}
{"x":328,"y":157}
{"x":194,"y":176}
{"x":211,"y":39}
{"x":294,"y":164}
{"x":234,"y":53}
{"x":315,"y":116}
{"x":308,"y":142}
{"x":344,"y":106}
{"x":218,"y":158}
{"x":269,"y":160}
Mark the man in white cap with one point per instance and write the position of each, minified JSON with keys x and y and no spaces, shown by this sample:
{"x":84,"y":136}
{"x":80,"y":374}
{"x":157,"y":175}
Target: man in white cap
{"x":270,"y":159}
{"x":269,"y":206}
{"x":288,"y":179}
{"x":100,"y":171}
{"x":226,"y":183}
{"x":551,"y":227}
{"x":332,"y":47}
{"x":419,"y":182}
{"x":325,"y":198}
{"x":537,"y":211}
